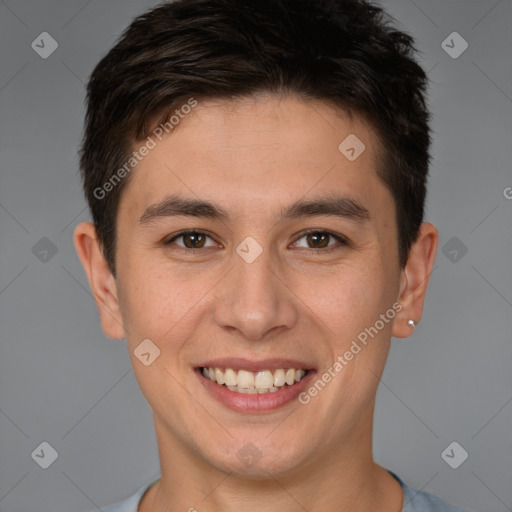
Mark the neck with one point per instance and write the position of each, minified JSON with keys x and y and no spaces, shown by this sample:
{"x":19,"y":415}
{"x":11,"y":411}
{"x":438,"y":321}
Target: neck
{"x":342,"y":478}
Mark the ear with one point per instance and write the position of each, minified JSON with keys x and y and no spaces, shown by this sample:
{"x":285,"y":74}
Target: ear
{"x":414,"y":280}
{"x":101,"y":280}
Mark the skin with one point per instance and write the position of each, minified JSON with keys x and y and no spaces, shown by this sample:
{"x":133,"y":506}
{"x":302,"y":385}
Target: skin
{"x":255,"y":156}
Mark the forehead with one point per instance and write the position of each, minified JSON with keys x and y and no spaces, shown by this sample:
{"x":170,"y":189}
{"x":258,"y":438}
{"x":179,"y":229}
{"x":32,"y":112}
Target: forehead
{"x":257,"y":151}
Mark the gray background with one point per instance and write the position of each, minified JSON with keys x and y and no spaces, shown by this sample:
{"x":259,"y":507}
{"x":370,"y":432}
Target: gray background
{"x":62,"y":381}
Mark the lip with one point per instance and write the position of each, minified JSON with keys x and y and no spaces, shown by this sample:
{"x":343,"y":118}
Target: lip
{"x":255,"y":403}
{"x":239,"y":363}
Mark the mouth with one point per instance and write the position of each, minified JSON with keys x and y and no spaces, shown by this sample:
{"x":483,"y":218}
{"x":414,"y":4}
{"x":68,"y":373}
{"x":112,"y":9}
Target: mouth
{"x":254,"y":387}
{"x":250,"y":382}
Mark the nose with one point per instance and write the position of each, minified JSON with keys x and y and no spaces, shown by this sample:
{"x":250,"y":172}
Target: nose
{"x":254,"y":300}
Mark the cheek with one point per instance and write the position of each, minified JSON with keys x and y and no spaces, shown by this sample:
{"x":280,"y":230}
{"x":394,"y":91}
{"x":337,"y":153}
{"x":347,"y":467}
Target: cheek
{"x":154,"y":302}
{"x":348,"y":298}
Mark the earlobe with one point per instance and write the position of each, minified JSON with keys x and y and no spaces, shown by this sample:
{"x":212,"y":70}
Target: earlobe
{"x":414,"y":280}
{"x":100,"y":278}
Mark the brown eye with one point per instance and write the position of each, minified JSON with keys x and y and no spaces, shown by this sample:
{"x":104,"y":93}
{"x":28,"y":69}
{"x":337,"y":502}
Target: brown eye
{"x":318,"y":240}
{"x":190,"y":240}
{"x":321,"y":240}
{"x":194,"y":240}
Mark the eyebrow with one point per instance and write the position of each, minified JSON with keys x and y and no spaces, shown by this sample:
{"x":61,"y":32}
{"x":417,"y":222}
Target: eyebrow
{"x":331,"y":205}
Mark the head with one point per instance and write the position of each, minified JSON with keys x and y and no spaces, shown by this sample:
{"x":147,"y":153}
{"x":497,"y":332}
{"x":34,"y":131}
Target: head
{"x":292,"y":136}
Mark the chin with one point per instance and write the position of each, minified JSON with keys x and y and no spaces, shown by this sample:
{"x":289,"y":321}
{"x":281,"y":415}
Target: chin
{"x":254,"y":460}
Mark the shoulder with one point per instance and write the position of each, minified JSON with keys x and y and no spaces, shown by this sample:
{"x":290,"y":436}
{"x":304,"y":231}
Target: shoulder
{"x":420,"y":501}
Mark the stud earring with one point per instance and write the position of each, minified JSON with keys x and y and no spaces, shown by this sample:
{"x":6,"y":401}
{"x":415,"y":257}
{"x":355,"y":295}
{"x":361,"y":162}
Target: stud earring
{"x":411,"y":323}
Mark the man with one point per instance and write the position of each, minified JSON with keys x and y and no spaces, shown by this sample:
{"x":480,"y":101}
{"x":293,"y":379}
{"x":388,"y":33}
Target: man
{"x":256,"y":173}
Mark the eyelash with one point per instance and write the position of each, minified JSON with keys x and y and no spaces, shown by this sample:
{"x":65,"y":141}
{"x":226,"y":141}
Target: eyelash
{"x":343,"y":241}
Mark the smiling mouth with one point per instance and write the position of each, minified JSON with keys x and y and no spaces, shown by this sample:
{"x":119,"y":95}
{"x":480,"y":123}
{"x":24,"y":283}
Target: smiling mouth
{"x":260,"y":382}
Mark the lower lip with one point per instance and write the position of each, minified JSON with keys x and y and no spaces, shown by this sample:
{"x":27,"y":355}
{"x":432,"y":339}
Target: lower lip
{"x":254,"y":403}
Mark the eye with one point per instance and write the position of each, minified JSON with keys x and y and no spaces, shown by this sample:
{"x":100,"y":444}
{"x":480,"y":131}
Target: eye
{"x":191,"y":239}
{"x":317,"y":239}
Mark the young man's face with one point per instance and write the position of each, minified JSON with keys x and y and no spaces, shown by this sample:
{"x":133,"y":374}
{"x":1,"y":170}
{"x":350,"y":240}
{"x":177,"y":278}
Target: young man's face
{"x":304,"y":298}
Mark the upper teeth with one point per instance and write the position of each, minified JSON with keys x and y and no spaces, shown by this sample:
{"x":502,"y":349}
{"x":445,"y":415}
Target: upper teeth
{"x":263,"y":379}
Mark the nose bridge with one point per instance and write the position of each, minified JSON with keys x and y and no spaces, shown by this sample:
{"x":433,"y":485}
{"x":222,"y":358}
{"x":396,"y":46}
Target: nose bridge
{"x":252,"y":298}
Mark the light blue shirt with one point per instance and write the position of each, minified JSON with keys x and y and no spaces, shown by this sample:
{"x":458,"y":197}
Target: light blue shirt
{"x":414,"y":501}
